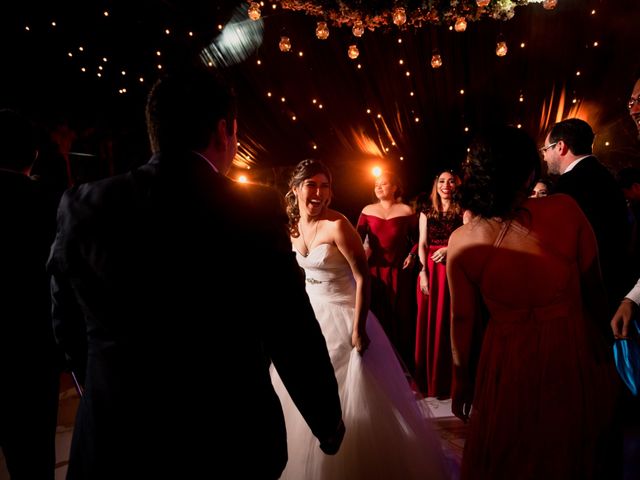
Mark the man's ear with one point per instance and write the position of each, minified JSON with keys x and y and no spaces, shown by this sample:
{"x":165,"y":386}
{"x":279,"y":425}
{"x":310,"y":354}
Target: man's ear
{"x":564,"y":149}
{"x":220,"y":139}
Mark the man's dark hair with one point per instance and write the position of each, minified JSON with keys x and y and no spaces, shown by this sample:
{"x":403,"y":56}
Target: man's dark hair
{"x":575,"y":133}
{"x":628,"y":176}
{"x":184,"y":108}
{"x":17,"y":141}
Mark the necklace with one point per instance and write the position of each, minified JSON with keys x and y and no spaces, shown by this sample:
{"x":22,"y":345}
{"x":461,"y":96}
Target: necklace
{"x":304,"y":241}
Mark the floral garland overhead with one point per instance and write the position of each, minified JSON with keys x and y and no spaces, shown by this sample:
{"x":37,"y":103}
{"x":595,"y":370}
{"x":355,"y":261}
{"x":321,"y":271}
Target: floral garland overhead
{"x":381,"y":13}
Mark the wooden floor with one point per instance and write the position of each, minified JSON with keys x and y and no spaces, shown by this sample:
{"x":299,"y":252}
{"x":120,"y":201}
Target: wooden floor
{"x":451,"y":431}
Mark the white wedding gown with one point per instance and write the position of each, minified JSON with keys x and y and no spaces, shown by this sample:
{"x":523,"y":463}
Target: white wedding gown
{"x":387,"y":435}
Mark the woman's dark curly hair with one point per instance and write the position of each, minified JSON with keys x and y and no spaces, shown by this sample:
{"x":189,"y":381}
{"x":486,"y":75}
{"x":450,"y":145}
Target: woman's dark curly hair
{"x":305,"y":169}
{"x":500,"y":167}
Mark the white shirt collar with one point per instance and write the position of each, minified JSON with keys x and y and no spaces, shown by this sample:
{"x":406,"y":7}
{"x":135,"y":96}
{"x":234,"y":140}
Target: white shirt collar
{"x":206,"y":160}
{"x":574,"y":163}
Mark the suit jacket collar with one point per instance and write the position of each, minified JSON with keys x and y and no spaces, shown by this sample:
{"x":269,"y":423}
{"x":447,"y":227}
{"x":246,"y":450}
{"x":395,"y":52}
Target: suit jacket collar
{"x":577,"y":162}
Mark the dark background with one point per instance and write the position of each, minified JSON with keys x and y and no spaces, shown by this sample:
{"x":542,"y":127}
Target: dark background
{"x":41,"y":79}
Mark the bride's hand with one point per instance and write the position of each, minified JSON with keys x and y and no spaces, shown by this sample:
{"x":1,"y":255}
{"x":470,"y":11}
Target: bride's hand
{"x":360,"y":341}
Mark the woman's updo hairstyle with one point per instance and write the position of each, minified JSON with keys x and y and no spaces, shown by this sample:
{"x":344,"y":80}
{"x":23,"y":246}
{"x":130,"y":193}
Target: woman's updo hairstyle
{"x":305,"y":169}
{"x":498,"y":171}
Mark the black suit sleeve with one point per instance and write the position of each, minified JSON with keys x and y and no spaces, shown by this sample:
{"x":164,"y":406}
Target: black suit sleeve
{"x":68,"y":320}
{"x":294,"y":340}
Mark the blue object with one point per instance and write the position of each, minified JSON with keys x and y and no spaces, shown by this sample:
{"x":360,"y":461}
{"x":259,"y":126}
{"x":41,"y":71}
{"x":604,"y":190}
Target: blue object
{"x":626,"y":355}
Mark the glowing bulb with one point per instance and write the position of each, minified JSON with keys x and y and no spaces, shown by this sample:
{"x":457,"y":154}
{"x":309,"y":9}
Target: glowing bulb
{"x":254,"y":11}
{"x":243,"y":179}
{"x":358,"y":28}
{"x":285,"y":44}
{"x":399,"y":16}
{"x":461,"y":24}
{"x":353,"y":52}
{"x":436,"y":60}
{"x":549,"y":4}
{"x":322,"y":31}
{"x":376,"y":171}
{"x":501,"y":48}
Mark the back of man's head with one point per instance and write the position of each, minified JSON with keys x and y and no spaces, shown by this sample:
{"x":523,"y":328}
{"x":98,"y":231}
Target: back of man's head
{"x":575,"y":133}
{"x":628,"y":176}
{"x":17,"y":141}
{"x":184,"y":108}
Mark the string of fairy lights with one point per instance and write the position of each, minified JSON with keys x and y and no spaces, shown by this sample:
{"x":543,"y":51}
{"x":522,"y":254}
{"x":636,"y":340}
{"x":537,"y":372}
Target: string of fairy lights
{"x":123,"y":79}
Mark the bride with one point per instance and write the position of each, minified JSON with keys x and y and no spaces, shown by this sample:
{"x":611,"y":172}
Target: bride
{"x":387,"y":434}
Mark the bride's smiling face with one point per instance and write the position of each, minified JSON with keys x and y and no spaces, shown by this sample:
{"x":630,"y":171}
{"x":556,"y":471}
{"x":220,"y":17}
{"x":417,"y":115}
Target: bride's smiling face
{"x":313,"y":194}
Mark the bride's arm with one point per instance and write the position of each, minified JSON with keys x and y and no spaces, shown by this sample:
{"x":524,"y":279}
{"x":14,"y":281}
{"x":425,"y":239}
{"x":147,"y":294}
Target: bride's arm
{"x":348,"y":242}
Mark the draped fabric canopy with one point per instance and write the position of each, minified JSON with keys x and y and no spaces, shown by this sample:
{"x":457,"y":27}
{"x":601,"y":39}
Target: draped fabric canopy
{"x":388,"y":106}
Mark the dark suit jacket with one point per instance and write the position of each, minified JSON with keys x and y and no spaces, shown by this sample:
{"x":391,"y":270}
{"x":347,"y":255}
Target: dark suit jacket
{"x":602,"y":201}
{"x":29,"y":366}
{"x":174,"y":288}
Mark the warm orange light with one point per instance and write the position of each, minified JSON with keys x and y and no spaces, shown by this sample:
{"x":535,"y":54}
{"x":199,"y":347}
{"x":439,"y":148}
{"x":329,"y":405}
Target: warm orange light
{"x":376,"y":171}
{"x":243,"y":179}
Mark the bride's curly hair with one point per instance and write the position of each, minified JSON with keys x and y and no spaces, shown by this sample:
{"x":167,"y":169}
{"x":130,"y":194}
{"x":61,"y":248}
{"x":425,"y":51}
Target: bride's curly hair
{"x":305,"y":169}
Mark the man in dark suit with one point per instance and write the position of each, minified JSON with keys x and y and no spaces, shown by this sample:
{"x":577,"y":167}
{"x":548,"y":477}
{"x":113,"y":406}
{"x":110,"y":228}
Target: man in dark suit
{"x":174,"y":288}
{"x":29,"y":366}
{"x":568,"y":153}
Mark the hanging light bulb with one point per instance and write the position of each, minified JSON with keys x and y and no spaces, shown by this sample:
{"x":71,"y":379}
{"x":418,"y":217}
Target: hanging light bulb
{"x":501,"y":48}
{"x":358,"y":28}
{"x":285,"y":44}
{"x":461,"y":24}
{"x":399,"y":16}
{"x":436,"y":59}
{"x":353,"y":52}
{"x":322,"y":31}
{"x":483,"y":3}
{"x":550,"y":4}
{"x":254,"y":11}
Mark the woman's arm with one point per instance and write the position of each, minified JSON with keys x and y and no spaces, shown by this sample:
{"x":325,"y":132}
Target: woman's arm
{"x":349,"y":244}
{"x":423,"y":244}
{"x":465,"y":310}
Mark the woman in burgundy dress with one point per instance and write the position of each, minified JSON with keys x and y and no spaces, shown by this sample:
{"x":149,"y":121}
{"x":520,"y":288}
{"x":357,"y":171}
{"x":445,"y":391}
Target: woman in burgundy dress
{"x":438,"y":218}
{"x":544,"y":386}
{"x":389,"y":227}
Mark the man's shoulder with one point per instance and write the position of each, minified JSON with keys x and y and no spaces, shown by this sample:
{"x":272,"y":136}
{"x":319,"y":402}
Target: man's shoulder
{"x":259,"y":199}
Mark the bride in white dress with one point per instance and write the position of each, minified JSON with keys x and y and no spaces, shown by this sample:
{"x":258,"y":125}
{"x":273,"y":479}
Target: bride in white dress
{"x":387,"y":434}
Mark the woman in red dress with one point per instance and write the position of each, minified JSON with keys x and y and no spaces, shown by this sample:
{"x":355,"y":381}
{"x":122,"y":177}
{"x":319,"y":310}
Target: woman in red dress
{"x":438,"y":219}
{"x":388,"y":228}
{"x":544,"y":386}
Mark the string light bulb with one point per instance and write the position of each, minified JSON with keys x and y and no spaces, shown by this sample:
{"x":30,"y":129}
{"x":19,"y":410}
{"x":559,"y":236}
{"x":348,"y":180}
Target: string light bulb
{"x":461,"y":24}
{"x":549,"y":4}
{"x":285,"y":44}
{"x":353,"y":52}
{"x":254,"y":11}
{"x":358,"y":28}
{"x":322,"y":31}
{"x":501,"y":49}
{"x":436,"y":59}
{"x":501,"y":46}
{"x":399,"y":16}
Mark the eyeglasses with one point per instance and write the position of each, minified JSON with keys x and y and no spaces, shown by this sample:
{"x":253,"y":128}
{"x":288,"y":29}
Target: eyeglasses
{"x":547,"y":147}
{"x":633,"y":100}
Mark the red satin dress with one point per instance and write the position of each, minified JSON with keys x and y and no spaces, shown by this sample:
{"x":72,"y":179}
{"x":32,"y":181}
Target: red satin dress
{"x":390,"y":241}
{"x":433,"y":340}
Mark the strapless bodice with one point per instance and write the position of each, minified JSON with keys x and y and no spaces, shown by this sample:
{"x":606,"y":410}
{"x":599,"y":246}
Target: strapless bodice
{"x":328,"y":275}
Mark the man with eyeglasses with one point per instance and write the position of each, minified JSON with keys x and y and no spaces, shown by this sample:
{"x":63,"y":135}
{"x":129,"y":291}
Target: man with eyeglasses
{"x":568,"y":152}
